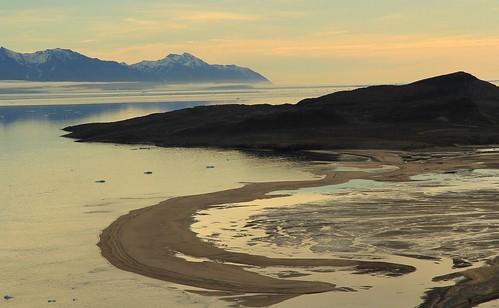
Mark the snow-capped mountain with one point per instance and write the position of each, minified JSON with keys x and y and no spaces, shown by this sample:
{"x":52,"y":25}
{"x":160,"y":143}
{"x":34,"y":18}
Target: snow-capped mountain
{"x":188,"y":68}
{"x":62,"y":65}
{"x":171,"y":60}
{"x":67,"y":65}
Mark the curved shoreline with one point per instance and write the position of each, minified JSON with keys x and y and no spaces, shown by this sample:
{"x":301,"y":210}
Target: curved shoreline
{"x":146,"y":241}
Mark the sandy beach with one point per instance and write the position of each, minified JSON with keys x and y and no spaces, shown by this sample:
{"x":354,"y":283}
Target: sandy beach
{"x":148,"y":241}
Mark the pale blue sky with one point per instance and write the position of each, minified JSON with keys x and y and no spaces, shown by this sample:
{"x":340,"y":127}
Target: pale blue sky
{"x":290,"y":41}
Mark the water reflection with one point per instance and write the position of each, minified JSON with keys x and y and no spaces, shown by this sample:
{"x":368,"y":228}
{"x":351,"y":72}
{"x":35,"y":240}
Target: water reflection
{"x":52,"y":210}
{"x":51,"y":93}
{"x":424,"y":223}
{"x":69,"y":114}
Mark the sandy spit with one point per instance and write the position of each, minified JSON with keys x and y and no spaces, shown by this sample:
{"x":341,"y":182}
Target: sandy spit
{"x":146,"y":241}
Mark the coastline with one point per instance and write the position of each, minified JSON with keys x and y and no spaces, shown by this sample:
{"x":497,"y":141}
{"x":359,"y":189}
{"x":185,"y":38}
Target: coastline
{"x":140,"y":241}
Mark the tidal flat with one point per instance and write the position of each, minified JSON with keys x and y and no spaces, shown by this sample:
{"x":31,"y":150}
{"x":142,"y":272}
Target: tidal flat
{"x":370,"y":238}
{"x":426,"y":222}
{"x":59,"y":195}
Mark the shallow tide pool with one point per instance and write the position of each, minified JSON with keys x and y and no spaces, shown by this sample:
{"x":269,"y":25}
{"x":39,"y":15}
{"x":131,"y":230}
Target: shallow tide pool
{"x":425,"y":223}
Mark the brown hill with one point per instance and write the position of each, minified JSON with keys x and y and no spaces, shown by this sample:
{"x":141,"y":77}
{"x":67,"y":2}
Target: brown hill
{"x":441,"y":111}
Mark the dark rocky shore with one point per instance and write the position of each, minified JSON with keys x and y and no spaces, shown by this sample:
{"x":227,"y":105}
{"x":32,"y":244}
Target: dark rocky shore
{"x":441,"y":111}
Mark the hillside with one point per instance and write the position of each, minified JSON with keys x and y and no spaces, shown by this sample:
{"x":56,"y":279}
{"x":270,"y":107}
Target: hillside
{"x":441,"y":111}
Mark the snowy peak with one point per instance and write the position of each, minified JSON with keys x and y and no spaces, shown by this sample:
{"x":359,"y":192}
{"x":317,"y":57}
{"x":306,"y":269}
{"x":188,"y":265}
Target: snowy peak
{"x":52,"y":54}
{"x":186,"y":67}
{"x":185,"y":59}
{"x":40,"y":57}
{"x":62,"y":65}
{"x":7,"y":53}
{"x":66,"y":65}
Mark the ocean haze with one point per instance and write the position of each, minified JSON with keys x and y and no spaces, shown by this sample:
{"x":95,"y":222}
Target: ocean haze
{"x":17,"y":93}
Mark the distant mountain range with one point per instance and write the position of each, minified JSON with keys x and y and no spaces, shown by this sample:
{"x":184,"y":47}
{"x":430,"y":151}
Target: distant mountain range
{"x":67,"y":65}
{"x":441,"y":111}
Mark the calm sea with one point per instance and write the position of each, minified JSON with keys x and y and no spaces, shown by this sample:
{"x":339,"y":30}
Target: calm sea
{"x":53,"y":203}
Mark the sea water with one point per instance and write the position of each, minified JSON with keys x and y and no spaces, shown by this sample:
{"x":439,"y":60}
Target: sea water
{"x":57,"y":195}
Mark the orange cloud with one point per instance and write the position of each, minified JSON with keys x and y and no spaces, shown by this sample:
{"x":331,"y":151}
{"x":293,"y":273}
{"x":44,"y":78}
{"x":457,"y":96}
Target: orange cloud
{"x":32,"y":16}
{"x":388,"y":45}
{"x":213,"y":16}
{"x":347,"y":47}
{"x":149,"y":22}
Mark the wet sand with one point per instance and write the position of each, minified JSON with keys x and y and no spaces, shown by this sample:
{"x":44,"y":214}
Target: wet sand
{"x":476,"y":286}
{"x":147,"y":241}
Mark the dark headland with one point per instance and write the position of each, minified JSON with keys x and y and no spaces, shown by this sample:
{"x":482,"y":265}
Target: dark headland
{"x":447,"y":110}
{"x":454,"y":109}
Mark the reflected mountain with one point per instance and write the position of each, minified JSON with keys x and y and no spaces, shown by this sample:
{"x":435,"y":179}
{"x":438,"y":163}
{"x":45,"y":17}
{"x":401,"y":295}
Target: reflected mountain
{"x":77,"y":112}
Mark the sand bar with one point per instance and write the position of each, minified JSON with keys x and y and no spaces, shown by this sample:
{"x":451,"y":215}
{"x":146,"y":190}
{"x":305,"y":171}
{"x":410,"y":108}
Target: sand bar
{"x":146,"y":241}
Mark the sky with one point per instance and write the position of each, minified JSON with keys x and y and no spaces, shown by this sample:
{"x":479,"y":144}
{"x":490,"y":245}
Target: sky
{"x":288,"y":41}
